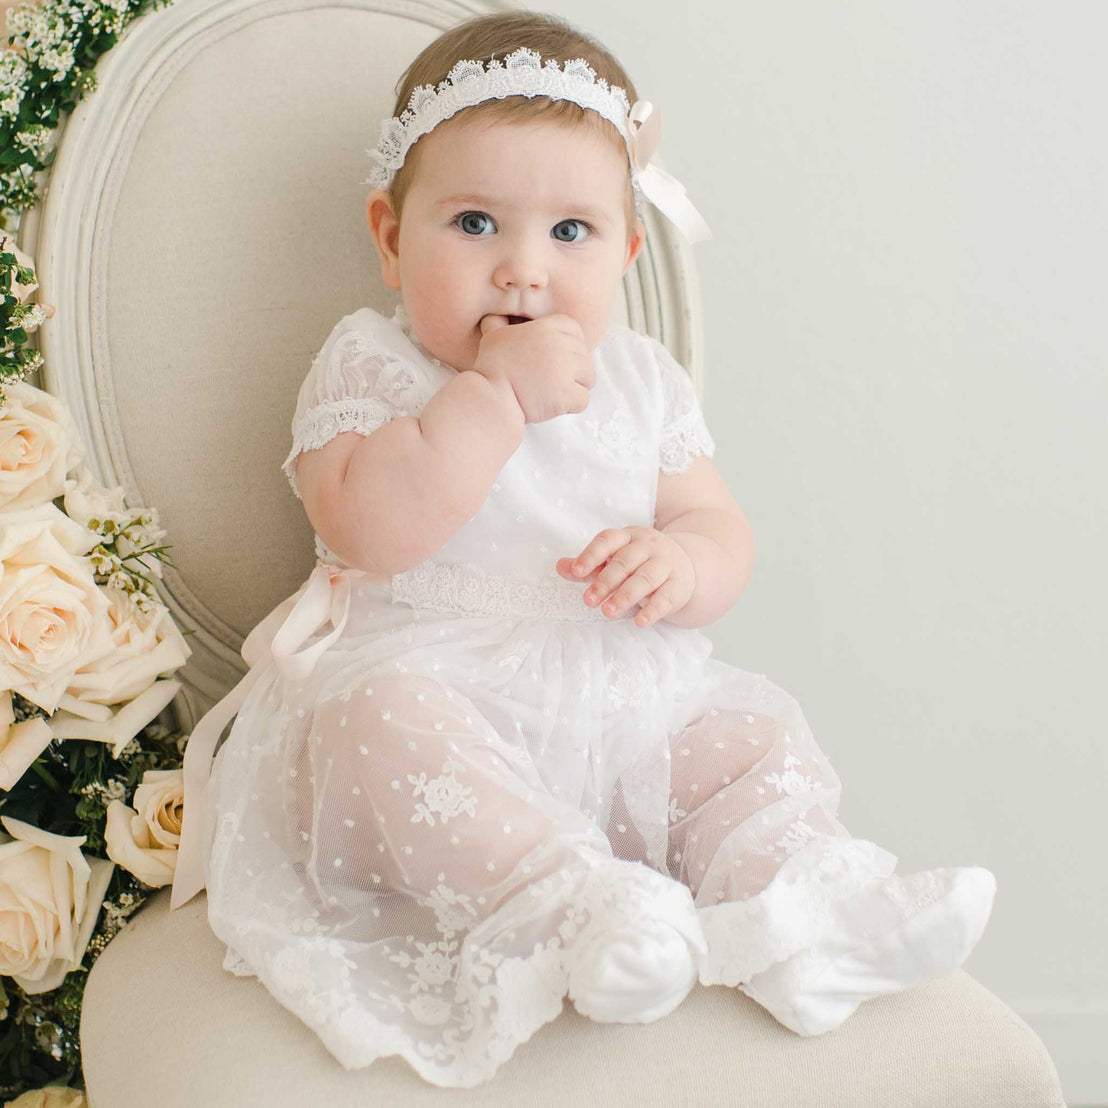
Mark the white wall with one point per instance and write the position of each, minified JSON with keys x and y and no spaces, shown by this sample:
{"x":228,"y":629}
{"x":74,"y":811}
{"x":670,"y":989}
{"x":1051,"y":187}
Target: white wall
{"x":905,"y":305}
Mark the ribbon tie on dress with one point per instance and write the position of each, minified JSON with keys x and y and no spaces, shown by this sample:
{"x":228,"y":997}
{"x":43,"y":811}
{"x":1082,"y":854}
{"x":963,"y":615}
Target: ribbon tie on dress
{"x":666,"y":193}
{"x":325,"y":596}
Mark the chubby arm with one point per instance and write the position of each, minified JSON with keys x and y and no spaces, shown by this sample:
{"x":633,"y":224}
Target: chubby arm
{"x":695,"y":508}
{"x":387,"y":501}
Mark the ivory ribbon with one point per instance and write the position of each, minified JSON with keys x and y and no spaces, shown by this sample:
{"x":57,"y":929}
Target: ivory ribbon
{"x":325,"y":596}
{"x":666,"y":193}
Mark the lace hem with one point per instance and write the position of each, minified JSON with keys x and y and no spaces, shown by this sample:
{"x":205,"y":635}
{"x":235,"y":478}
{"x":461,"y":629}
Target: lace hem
{"x":469,"y":590}
{"x":792,"y":913}
{"x":463,"y":1009}
{"x":235,"y":963}
{"x":321,"y":424}
{"x":682,"y":442}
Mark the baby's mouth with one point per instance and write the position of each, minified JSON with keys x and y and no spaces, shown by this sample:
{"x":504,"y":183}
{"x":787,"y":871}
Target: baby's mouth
{"x":509,"y":319}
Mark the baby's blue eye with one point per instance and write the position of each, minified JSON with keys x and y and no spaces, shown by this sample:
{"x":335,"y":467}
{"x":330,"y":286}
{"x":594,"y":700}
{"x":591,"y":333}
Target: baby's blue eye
{"x":564,"y":231}
{"x":474,"y":223}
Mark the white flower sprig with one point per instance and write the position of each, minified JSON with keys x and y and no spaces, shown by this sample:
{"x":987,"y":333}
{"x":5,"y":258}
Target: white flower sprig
{"x":55,"y":45}
{"x":129,"y":547}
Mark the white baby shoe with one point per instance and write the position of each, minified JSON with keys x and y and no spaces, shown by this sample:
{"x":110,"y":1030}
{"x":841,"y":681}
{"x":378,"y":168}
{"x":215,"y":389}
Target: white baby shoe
{"x":896,"y":933}
{"x":637,"y":973}
{"x":639,"y":953}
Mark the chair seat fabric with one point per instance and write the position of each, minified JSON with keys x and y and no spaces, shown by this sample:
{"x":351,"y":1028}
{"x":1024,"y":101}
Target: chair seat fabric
{"x":162,"y":1020}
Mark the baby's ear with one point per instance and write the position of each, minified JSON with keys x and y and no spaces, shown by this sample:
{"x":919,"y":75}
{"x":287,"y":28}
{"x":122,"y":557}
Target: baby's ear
{"x":635,"y":243}
{"x":385,"y":228}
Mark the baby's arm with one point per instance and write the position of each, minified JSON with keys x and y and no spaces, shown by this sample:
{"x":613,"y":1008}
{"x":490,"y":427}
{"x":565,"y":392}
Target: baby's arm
{"x":696,"y":509}
{"x":387,"y":501}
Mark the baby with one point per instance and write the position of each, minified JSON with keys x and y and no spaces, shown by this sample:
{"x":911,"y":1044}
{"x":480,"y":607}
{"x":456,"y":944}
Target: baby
{"x":483,"y":759}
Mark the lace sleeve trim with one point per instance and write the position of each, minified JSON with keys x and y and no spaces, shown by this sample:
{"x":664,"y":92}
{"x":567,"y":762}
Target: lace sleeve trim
{"x":682,"y":442}
{"x":319,"y":425}
{"x":684,"y":432}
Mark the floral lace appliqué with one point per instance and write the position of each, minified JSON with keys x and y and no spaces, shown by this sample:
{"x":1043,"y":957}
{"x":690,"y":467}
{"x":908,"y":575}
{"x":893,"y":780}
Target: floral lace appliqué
{"x":445,"y":795}
{"x":797,"y":835}
{"x":791,"y":781}
{"x":629,"y":686}
{"x":471,"y":590}
{"x":681,"y":443}
{"x":616,"y":436}
{"x":453,"y":911}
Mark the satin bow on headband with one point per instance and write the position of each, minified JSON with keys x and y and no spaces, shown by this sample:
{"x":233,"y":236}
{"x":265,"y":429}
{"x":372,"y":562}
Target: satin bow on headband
{"x":665,"y":192}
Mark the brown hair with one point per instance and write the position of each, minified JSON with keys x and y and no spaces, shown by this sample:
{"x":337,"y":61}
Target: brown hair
{"x":496,"y":35}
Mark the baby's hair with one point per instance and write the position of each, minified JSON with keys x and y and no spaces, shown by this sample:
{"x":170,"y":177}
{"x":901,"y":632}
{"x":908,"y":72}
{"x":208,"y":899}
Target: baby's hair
{"x":497,"y":35}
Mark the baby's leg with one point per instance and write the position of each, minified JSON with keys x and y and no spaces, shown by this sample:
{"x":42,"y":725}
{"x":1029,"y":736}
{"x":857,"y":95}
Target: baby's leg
{"x":747,"y":790}
{"x":808,"y":920}
{"x":414,"y":793}
{"x":412,"y":790}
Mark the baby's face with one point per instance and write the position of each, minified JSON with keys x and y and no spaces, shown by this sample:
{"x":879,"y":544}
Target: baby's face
{"x":514,"y":219}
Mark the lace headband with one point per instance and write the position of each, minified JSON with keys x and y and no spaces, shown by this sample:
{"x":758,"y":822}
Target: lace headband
{"x":522,"y":73}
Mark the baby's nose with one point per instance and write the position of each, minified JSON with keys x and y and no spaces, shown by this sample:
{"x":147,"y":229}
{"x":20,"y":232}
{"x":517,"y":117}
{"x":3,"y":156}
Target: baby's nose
{"x":521,"y":268}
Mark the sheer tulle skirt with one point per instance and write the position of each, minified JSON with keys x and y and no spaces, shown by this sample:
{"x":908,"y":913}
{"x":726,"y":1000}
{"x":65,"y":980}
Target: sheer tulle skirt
{"x":411,"y":844}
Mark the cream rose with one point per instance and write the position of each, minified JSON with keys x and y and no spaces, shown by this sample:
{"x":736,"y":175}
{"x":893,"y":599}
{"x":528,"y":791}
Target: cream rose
{"x":144,"y":840}
{"x":20,"y":743}
{"x":39,"y":445}
{"x":147,"y":645}
{"x":51,"y":896}
{"x":53,"y":615}
{"x":53,"y":1096}
{"x":98,"y":723}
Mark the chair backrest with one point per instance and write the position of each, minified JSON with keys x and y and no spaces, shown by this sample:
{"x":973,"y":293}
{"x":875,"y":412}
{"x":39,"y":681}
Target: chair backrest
{"x":203,"y":229}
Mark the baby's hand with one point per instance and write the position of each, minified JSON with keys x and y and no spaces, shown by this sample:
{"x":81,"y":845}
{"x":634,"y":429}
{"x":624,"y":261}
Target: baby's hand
{"x":544,"y":360}
{"x":639,"y":562}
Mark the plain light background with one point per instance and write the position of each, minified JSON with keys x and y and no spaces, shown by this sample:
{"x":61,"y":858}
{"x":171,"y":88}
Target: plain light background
{"x":905,"y":306}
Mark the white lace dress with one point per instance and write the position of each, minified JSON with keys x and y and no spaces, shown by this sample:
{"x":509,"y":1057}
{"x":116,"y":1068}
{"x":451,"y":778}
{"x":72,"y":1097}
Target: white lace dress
{"x":472,"y":771}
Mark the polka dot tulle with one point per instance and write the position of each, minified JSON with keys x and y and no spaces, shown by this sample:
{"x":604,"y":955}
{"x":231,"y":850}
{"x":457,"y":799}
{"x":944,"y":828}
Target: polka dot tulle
{"x":411,"y":842}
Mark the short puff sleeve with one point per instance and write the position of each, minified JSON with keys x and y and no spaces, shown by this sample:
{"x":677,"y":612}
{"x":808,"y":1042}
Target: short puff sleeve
{"x":354,"y":384}
{"x":684,"y":432}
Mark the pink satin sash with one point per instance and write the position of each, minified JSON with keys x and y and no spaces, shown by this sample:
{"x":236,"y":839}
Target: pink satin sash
{"x":325,"y":596}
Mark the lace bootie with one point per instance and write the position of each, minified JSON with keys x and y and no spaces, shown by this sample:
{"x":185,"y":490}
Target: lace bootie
{"x":900,"y":932}
{"x":638,"y":956}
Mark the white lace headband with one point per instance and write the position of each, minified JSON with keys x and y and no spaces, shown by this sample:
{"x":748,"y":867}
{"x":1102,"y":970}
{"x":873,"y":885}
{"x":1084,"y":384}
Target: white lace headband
{"x":522,"y":73}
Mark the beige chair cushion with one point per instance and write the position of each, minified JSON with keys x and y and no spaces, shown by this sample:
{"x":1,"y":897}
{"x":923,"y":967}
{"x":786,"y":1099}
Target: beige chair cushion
{"x":163,"y":1023}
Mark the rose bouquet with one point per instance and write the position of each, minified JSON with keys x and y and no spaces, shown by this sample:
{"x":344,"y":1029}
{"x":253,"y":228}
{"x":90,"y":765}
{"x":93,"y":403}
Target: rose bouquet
{"x":90,"y":780}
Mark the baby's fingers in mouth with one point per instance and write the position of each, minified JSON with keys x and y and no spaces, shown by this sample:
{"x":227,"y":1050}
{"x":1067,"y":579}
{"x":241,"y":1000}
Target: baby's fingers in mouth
{"x":487,"y":321}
